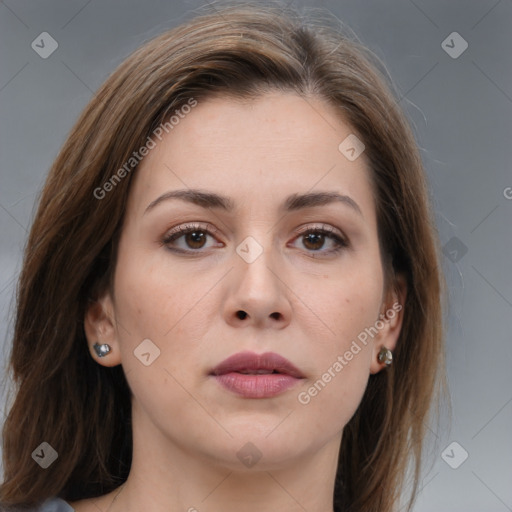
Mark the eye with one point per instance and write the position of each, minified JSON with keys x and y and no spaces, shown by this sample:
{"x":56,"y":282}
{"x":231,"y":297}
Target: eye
{"x":315,"y":238}
{"x":194,"y":237}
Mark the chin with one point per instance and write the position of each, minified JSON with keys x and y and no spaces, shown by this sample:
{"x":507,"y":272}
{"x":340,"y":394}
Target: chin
{"x":261,"y":446}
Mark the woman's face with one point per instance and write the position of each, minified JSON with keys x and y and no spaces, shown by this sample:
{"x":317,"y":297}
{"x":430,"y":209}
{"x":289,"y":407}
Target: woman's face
{"x":262,"y":270}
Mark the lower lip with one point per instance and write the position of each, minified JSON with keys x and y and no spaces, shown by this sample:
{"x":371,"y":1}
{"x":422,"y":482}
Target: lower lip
{"x":257,"y":386}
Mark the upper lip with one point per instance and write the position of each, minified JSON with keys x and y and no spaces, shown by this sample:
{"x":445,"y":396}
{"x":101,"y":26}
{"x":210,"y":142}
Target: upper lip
{"x":251,"y":362}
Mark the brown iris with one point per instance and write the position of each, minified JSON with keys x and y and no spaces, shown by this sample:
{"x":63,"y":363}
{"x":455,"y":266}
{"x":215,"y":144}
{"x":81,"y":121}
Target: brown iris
{"x":316,"y":239}
{"x":195,"y":239}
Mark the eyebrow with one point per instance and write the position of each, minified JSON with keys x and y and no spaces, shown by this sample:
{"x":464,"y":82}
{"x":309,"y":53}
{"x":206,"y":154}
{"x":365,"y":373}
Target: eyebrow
{"x":292,"y":203}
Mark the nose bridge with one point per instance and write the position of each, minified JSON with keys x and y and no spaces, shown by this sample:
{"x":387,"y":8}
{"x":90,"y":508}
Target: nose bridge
{"x":257,"y":290}
{"x":256,"y":257}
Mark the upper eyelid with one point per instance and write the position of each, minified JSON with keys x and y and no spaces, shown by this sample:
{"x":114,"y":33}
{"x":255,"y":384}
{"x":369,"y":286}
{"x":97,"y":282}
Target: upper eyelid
{"x":192,"y":225}
{"x":322,"y":226}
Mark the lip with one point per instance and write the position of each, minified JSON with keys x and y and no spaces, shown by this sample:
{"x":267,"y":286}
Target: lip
{"x":244,"y":374}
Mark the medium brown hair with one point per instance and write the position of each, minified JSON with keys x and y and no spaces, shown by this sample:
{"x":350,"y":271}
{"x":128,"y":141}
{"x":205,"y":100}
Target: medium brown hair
{"x":83,"y":409}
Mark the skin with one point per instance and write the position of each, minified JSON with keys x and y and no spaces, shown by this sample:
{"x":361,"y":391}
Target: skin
{"x":301,"y":300}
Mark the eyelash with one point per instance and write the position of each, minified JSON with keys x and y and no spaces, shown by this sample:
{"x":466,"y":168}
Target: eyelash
{"x":341,"y":242}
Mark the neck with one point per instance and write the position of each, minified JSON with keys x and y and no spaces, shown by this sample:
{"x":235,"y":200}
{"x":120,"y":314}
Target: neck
{"x":167,"y":477}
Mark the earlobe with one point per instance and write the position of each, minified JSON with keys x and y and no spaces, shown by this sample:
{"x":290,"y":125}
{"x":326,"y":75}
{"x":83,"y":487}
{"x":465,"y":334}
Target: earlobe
{"x":385,"y":342}
{"x":101,"y":332}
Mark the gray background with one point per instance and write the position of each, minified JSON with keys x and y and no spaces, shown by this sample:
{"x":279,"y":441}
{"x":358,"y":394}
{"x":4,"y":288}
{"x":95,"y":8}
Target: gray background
{"x":461,"y":111}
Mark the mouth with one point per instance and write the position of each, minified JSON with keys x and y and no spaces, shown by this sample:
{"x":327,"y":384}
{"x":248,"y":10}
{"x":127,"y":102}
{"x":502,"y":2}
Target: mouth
{"x":253,"y":375}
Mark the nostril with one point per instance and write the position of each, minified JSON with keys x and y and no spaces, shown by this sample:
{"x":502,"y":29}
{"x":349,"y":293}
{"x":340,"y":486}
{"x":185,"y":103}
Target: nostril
{"x":241,"y":314}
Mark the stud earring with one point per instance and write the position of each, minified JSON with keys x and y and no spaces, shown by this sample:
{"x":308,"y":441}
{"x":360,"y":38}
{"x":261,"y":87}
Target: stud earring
{"x":102,"y":350}
{"x":385,"y":356}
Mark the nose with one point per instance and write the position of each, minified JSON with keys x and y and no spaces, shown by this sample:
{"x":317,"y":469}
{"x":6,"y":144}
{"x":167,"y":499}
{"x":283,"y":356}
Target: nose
{"x":257,"y":294}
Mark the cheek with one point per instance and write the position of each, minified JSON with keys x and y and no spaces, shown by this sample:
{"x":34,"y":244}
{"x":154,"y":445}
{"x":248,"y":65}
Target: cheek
{"x":340,"y":361}
{"x":152,"y":310}
{"x":152,"y":296}
{"x":349,"y":302}
{"x":163,"y":304}
{"x":341,"y":367}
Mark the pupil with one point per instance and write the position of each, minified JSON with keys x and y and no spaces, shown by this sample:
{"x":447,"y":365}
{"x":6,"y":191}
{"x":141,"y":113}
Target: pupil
{"x":197,"y":237}
{"x":315,"y":239}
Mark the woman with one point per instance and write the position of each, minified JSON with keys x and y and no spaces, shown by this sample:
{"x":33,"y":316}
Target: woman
{"x":230,"y":296}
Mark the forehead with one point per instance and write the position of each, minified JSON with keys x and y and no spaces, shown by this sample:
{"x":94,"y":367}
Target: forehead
{"x":255,"y":151}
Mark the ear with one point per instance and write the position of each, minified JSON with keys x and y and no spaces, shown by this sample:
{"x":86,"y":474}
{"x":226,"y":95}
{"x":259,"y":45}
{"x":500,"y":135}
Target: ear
{"x":391,"y":316}
{"x":100,"y":327}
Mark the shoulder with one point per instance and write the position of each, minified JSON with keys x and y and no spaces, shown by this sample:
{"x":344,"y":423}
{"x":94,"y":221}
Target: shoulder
{"x":53,"y":505}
